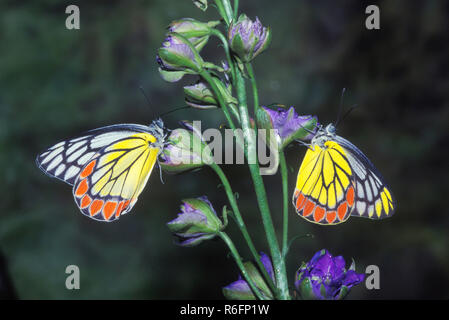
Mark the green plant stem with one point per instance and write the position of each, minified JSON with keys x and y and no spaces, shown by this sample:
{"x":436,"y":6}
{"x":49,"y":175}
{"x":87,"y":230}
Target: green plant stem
{"x":252,"y":79}
{"x":223,"y":40}
{"x":206,"y":76}
{"x":259,"y":187}
{"x":239,"y":262}
{"x":236,"y":9}
{"x":284,"y":177}
{"x":241,"y":224}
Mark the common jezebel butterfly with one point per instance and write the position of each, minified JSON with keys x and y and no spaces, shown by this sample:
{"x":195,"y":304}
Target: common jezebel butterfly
{"x":107,"y":167}
{"x":336,"y":180}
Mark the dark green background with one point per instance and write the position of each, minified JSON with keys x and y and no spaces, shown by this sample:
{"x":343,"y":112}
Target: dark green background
{"x":56,"y":83}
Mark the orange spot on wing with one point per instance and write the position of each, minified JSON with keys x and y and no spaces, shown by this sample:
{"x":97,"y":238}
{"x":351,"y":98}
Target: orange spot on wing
{"x":95,"y":207}
{"x":109,"y":209}
{"x":82,"y":188}
{"x":308,"y":208}
{"x":331,"y":216}
{"x":297,"y":192}
{"x":85,"y":201}
{"x":300,"y":202}
{"x":318,"y":214}
{"x":341,"y":211}
{"x":126,"y":204}
{"x":88,"y":169}
{"x":119,"y":209}
{"x":350,"y":196}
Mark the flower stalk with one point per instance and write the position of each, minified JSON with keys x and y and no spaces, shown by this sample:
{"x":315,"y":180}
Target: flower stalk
{"x":240,"y":223}
{"x":250,"y":146}
{"x":285,"y":202}
{"x":240,"y":264}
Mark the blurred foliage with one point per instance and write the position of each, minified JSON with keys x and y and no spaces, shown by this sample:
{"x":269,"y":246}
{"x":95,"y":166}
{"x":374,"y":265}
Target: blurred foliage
{"x":55,"y":83}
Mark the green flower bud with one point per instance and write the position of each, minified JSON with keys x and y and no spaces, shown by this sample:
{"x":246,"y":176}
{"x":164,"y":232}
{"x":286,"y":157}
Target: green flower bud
{"x":200,"y":96}
{"x":178,"y":57}
{"x":191,"y":28}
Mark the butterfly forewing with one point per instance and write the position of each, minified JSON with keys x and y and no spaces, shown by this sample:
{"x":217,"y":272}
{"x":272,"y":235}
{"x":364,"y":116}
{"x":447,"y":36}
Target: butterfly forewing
{"x":374,"y":200}
{"x":65,"y":159}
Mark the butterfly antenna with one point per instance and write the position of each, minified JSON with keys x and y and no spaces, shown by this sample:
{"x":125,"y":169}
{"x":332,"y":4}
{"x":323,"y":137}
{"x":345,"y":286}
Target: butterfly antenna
{"x":176,"y":109}
{"x":349,"y":111}
{"x":340,"y":109}
{"x":148,"y":101}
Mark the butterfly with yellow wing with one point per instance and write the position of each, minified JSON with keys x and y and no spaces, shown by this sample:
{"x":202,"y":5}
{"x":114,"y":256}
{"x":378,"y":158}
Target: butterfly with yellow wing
{"x":107,"y":167}
{"x":336,"y":180}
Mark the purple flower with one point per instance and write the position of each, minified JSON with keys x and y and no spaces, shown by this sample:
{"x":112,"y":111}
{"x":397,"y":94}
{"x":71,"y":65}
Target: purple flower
{"x":325,"y":277}
{"x":248,"y":38}
{"x":288,"y":125}
{"x":196,"y":222}
{"x":240,"y":290}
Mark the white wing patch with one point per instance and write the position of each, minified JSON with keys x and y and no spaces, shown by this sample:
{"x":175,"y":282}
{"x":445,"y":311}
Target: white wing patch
{"x":65,"y":159}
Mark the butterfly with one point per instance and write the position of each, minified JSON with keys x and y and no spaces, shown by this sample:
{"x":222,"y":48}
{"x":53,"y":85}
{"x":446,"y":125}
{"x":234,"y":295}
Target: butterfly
{"x":336,"y":180}
{"x":108,"y":167}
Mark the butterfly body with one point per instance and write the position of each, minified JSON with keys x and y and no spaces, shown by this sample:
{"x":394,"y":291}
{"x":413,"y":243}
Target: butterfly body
{"x":107,"y":167}
{"x":336,"y":181}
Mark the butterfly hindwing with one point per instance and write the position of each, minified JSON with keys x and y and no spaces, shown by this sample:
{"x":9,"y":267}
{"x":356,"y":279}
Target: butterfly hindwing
{"x":109,"y":185}
{"x":324,"y":191}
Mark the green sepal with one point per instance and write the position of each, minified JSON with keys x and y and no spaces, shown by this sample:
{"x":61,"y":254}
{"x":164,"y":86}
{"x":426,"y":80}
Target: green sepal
{"x":258,"y":280}
{"x":177,"y":61}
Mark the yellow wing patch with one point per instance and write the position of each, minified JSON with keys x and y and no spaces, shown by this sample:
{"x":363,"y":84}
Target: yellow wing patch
{"x":111,"y":182}
{"x":324,"y":193}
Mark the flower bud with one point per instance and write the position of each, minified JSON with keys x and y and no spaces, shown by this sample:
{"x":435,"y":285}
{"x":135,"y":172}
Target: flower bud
{"x":247,"y":39}
{"x":196,"y":222}
{"x":200,"y":96}
{"x":324,"y":277}
{"x":240,"y":289}
{"x":176,"y":58}
{"x":195,"y":31}
{"x":191,"y":28}
{"x":186,"y":149}
{"x":288,"y":125}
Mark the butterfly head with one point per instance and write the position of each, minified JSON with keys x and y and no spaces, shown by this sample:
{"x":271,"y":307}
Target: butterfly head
{"x":324,"y":135}
{"x":157,"y":129}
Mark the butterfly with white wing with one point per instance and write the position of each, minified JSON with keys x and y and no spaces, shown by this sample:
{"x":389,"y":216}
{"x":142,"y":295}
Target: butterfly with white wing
{"x":107,"y":167}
